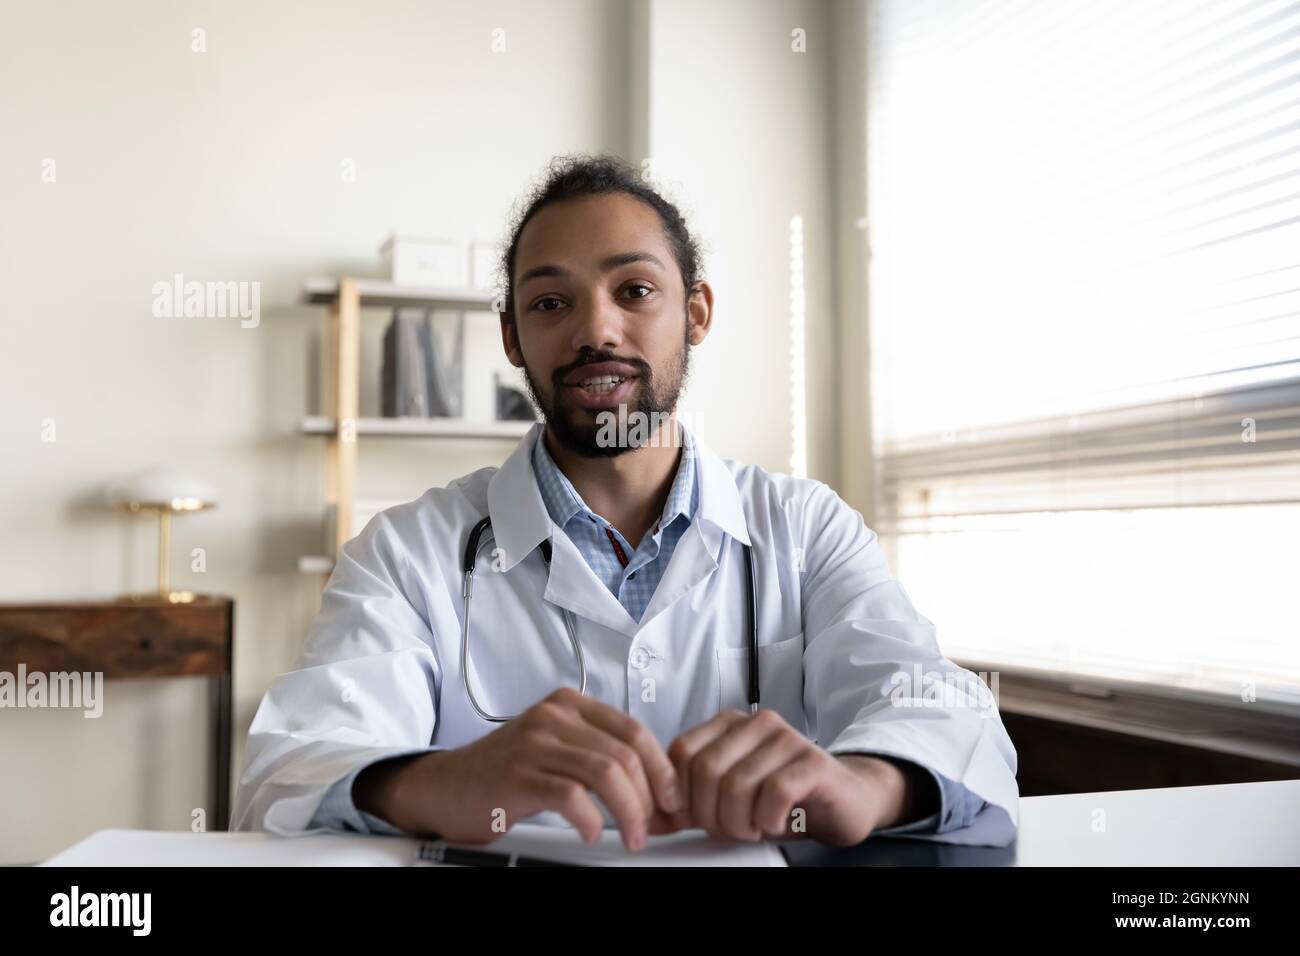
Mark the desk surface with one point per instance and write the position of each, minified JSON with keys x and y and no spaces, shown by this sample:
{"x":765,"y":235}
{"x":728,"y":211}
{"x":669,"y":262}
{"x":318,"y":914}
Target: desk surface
{"x":1244,"y":824}
{"x":1237,"y":824}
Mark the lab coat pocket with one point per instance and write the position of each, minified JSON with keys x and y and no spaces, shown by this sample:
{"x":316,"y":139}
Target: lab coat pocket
{"x":780,"y":679}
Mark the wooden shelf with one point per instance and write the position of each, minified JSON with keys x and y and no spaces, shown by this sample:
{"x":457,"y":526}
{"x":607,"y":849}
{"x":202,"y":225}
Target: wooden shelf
{"x":324,"y":290}
{"x":422,"y":428}
{"x":346,"y":297}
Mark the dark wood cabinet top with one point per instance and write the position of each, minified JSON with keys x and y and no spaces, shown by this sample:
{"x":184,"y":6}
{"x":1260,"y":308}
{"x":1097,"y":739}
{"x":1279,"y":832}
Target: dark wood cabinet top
{"x":121,"y":638}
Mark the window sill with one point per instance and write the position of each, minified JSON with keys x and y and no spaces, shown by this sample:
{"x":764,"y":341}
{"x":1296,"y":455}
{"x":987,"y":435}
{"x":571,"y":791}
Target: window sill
{"x":1169,"y":715}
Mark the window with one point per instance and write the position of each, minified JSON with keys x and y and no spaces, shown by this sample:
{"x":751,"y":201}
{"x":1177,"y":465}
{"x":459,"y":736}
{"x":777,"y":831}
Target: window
{"x":1085,"y":330}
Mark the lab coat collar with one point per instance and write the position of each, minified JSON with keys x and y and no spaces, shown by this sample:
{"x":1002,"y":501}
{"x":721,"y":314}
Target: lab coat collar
{"x":520,"y":521}
{"x":572,"y":584}
{"x":720,"y":503}
{"x":720,"y":513}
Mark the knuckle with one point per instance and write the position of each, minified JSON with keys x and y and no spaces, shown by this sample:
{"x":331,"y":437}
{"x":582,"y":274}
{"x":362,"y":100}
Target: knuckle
{"x":679,"y":750}
{"x":783,"y":788}
{"x":731,"y":785}
{"x":626,"y":756}
{"x":570,"y":793}
{"x":640,"y":734}
{"x":706,"y":767}
{"x":531,"y":739}
{"x":564,"y":695}
{"x":607,"y":769}
{"x":541,"y":713}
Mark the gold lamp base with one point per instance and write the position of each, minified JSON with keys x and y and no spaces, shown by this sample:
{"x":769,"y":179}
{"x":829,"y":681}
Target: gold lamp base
{"x":156,"y":597}
{"x":164,"y":594}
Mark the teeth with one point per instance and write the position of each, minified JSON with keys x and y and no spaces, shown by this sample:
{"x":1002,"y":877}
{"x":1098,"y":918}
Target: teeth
{"x":602,"y":383}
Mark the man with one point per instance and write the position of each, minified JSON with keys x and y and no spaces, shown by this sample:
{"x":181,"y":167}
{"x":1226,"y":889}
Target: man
{"x":618,"y":523}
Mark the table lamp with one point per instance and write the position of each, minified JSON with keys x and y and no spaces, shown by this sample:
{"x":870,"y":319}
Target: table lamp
{"x":166,"y":492}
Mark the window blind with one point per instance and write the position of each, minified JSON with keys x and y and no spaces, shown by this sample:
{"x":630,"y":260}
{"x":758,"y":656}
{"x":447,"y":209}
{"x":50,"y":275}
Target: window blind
{"x":1084,"y":224}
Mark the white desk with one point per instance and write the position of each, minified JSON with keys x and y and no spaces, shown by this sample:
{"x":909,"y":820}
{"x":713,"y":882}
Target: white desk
{"x":539,"y":842}
{"x":1245,"y":824}
{"x":1238,"y":824}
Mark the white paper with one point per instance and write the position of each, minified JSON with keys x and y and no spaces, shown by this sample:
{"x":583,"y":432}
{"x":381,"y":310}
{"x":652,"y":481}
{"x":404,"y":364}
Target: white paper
{"x":684,"y":848}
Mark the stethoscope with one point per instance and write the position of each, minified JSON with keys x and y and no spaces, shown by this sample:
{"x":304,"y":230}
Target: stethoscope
{"x":467,"y":588}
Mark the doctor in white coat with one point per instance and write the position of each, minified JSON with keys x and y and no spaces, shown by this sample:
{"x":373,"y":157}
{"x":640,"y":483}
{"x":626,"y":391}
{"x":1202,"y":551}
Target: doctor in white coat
{"x":616,"y":556}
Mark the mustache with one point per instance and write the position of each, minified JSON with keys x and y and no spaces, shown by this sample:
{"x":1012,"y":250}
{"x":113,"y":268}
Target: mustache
{"x":642,"y":367}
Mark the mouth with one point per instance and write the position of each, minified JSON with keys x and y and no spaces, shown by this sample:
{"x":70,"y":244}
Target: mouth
{"x":601,"y":384}
{"x":602,"y":391}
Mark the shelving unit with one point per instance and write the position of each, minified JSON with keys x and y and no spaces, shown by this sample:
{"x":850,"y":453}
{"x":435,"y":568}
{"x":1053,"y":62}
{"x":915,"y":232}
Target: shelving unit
{"x":341,"y":426}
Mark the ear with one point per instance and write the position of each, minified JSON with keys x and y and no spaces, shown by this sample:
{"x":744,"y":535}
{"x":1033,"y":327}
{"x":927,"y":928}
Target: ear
{"x":699,"y":312}
{"x":510,"y":341}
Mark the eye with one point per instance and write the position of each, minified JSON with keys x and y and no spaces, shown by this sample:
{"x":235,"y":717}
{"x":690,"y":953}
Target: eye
{"x":641,"y":285}
{"x":540,"y":303}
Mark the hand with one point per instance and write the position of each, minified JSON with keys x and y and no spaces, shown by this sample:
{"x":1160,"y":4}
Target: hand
{"x":547,"y":758}
{"x":742,"y":777}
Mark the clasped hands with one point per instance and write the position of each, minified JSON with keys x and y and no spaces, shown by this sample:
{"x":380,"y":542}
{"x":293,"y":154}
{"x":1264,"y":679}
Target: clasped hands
{"x":737,"y":776}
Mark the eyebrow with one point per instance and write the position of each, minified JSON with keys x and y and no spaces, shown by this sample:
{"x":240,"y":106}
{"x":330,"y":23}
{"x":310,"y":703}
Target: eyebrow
{"x":607,"y":264}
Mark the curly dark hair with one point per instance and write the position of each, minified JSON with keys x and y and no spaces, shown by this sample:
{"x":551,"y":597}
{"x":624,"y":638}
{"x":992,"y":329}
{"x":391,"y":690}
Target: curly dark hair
{"x":576,"y":175}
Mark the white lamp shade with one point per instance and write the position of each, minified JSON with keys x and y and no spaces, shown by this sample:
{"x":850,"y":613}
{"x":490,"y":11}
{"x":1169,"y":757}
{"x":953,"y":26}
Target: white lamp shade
{"x":164,"y":488}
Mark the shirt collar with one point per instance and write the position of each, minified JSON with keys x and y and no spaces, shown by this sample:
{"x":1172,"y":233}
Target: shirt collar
{"x":563,"y":501}
{"x":520,"y":520}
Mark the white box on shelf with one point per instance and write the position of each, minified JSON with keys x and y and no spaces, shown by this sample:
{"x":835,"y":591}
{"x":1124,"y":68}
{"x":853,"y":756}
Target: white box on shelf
{"x":422,"y":261}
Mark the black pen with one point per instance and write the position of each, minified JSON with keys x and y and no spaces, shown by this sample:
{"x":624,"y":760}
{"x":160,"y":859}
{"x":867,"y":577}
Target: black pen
{"x":437,"y":851}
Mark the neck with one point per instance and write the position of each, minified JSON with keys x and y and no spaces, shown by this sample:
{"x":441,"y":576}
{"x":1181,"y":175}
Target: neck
{"x":628,"y":490}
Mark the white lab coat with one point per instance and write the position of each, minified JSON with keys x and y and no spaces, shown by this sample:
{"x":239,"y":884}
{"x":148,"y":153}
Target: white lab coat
{"x":380,"y":672}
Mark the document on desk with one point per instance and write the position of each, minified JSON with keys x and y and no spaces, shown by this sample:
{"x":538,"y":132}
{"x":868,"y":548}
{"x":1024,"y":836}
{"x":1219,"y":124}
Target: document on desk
{"x":684,"y":848}
{"x":531,"y":842}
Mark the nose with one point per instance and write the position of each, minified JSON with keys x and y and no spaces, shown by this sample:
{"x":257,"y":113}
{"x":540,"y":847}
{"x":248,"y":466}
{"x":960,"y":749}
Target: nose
{"x":598,"y":325}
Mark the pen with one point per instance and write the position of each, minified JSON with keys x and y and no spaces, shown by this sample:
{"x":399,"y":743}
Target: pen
{"x":437,"y":851}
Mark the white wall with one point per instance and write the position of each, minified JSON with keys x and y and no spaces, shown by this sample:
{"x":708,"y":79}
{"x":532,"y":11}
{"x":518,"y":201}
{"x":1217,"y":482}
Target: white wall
{"x":740,"y":123}
{"x":225,"y":165}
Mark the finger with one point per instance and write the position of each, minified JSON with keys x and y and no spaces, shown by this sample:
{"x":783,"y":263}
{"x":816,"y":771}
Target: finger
{"x":570,"y":799}
{"x":684,"y":749}
{"x":690,"y":742}
{"x":659,"y":770}
{"x":738,"y":790}
{"x":588,"y":737}
{"x":782,"y":791}
{"x":609,"y":779}
{"x":569,"y":723}
{"x":715,"y":760}
{"x":661,"y":823}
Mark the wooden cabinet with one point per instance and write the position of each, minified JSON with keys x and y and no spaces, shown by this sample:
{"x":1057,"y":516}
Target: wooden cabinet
{"x":134,"y":638}
{"x":1083,"y":739}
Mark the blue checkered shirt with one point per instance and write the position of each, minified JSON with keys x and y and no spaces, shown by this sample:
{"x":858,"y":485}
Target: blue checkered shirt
{"x":601,"y":543}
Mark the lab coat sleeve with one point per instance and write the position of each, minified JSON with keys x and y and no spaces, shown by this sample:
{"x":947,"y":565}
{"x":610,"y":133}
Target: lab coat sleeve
{"x":363,"y":689}
{"x":876,"y":682}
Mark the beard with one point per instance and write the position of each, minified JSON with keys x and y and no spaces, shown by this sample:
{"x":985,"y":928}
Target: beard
{"x":582,"y":430}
